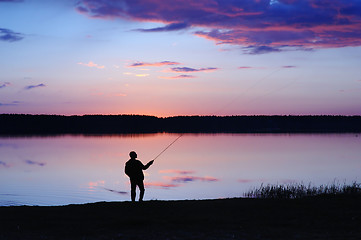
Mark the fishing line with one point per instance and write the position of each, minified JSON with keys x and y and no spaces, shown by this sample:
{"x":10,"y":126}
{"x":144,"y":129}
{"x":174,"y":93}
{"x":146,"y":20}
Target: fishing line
{"x":168,"y":146}
{"x":245,"y":91}
{"x":272,"y":91}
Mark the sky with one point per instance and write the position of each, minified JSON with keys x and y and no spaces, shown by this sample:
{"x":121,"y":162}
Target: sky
{"x":180,"y":57}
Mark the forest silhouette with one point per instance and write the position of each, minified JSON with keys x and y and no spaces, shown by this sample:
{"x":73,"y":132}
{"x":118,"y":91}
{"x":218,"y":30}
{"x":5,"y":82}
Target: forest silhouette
{"x":126,"y":124}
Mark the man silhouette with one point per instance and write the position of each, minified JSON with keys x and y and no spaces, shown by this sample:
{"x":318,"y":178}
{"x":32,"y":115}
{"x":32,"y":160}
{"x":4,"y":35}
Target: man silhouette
{"x":134,"y":169}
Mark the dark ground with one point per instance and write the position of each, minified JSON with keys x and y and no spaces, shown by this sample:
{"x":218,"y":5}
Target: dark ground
{"x":311,"y":218}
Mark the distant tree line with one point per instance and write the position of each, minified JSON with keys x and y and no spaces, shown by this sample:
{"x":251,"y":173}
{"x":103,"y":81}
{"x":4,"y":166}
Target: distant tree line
{"x":23,"y":124}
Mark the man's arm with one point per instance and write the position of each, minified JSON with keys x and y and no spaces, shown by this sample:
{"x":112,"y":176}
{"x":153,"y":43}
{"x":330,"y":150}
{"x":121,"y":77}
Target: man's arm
{"x":148,"y":165}
{"x":126,"y":169}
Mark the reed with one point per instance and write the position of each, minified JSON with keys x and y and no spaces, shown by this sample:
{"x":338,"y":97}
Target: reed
{"x":299,"y":190}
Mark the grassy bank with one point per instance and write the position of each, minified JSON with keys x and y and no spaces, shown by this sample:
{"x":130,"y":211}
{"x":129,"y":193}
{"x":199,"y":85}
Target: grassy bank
{"x":300,"y":190}
{"x":322,"y":217}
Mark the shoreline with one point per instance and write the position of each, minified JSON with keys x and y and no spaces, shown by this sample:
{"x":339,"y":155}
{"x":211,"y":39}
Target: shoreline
{"x":24,"y":124}
{"x":326,"y":217}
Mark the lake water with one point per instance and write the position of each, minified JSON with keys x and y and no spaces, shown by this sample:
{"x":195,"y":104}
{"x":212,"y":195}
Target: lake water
{"x":74,"y":169}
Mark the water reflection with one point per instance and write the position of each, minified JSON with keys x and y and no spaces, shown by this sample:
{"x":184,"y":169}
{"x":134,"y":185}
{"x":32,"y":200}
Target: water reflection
{"x":77,"y":169}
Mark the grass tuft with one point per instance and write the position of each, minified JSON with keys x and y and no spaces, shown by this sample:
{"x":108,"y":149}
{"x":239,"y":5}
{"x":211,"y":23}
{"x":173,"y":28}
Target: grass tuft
{"x":299,"y":190}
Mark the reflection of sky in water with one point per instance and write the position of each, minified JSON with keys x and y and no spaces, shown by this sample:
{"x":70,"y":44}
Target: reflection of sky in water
{"x":78,"y":169}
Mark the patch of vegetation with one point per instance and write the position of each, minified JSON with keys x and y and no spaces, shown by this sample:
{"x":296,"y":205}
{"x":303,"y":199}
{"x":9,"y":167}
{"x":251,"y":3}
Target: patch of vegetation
{"x":299,"y":190}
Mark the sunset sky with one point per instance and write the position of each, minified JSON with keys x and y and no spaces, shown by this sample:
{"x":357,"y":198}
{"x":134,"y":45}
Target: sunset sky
{"x":180,"y":57}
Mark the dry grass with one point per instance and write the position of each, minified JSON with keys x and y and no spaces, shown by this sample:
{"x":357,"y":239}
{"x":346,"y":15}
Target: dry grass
{"x":299,"y":190}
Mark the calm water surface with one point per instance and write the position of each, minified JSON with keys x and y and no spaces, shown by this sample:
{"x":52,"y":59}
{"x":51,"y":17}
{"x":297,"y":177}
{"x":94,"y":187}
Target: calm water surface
{"x":80,"y":169}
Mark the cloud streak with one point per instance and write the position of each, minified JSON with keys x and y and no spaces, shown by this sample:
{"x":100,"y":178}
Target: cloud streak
{"x":188,"y":69}
{"x":156,"y":64}
{"x":8,"y":35}
{"x":167,"y":28}
{"x":185,"y":179}
{"x":261,"y":26}
{"x":91,"y":64}
{"x":182,"y":177}
{"x":176,"y":171}
{"x":4,"y":85}
{"x":34,"y":86}
{"x":179,"y":76}
{"x":30,"y":162}
{"x":13,"y":103}
{"x":115,"y":191}
{"x":4,"y":164}
{"x":161,"y":185}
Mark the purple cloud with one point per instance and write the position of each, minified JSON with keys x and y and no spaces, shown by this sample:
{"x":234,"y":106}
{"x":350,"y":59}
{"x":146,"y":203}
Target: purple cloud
{"x":156,"y":64}
{"x":4,"y":85}
{"x":262,"y":26}
{"x":13,"y":103}
{"x":177,"y":171}
{"x":30,"y":162}
{"x":10,"y":36}
{"x":186,"y":179}
{"x":181,"y":178}
{"x":188,"y":69}
{"x":167,"y":28}
{"x":179,"y":76}
{"x":260,"y":49}
{"x":4,"y":164}
{"x":34,"y":86}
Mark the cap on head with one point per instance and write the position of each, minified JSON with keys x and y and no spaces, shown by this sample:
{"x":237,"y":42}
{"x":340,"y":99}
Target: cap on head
{"x":133,"y":154}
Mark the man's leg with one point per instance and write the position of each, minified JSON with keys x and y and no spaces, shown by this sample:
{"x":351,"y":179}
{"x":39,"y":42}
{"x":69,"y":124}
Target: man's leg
{"x":133,"y":186}
{"x":142,"y":190}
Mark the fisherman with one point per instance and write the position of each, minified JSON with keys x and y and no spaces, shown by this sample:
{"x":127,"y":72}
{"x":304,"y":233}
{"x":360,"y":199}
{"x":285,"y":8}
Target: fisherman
{"x":134,"y":169}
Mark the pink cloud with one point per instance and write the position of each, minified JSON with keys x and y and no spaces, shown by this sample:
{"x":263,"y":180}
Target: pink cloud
{"x":92,"y":185}
{"x":119,"y":95}
{"x":91,"y":64}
